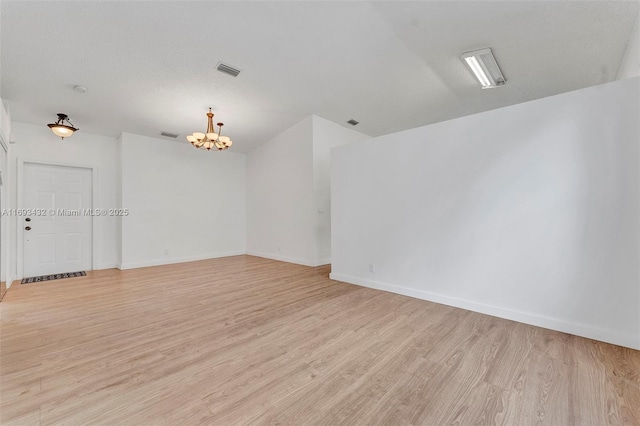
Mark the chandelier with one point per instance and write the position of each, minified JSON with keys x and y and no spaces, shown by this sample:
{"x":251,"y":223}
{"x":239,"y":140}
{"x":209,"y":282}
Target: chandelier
{"x":211,"y":139}
{"x":60,"y":129}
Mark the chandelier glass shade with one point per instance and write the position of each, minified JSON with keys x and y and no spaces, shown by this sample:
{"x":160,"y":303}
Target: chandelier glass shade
{"x":60,"y":129}
{"x":210,"y":140}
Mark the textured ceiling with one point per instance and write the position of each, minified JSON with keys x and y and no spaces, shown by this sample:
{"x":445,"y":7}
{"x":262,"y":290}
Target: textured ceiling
{"x":150,"y":66}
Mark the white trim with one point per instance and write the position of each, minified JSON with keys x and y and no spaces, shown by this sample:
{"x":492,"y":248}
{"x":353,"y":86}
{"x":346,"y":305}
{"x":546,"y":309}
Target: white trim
{"x":19,"y":230}
{"x":95,"y":224}
{"x":106,"y":266}
{"x":170,"y":261}
{"x":20,"y":201}
{"x":10,"y":281}
{"x":288,"y":259}
{"x":605,"y":335}
{"x":5,"y":258}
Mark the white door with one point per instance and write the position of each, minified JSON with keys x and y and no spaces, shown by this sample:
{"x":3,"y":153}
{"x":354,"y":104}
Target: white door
{"x":57,"y":230}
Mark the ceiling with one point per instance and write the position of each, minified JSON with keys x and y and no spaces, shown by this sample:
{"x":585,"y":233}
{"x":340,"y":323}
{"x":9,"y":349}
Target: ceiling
{"x":150,"y":66}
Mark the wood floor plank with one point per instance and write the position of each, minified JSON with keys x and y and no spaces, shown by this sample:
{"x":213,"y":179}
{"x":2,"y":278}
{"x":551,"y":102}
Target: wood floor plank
{"x":246,"y":340}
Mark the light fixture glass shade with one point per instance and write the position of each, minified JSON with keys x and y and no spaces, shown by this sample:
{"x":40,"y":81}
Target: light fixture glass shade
{"x":210,"y":139}
{"x":60,"y":129}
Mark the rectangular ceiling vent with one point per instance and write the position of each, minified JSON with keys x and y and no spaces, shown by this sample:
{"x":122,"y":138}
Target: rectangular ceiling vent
{"x":168,"y":135}
{"x":227,"y":69}
{"x":353,"y":122}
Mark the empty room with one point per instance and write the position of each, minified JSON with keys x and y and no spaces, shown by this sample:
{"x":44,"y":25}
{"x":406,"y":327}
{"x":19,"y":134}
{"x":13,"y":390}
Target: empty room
{"x":319,"y":212}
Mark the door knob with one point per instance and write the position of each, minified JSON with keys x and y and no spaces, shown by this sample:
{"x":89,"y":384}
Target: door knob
{"x":27,"y":228}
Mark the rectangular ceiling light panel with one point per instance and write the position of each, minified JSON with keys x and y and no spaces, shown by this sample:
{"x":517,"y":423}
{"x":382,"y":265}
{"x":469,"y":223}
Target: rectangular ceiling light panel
{"x":484,"y":66}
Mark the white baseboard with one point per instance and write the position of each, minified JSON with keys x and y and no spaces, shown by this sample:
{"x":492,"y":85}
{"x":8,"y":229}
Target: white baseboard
{"x":169,"y":261}
{"x":106,"y":266}
{"x":289,"y":259}
{"x":605,"y":335}
{"x":10,"y":281}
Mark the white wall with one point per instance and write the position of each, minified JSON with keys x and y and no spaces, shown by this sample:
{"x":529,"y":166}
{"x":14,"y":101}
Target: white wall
{"x":37,"y":143}
{"x":288,"y":192}
{"x":529,"y":212}
{"x":630,"y":66}
{"x":185,"y":204}
{"x":280,"y":200}
{"x":326,"y":135}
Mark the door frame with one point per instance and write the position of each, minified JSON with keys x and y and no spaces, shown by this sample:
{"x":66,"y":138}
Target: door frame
{"x":20,"y":205}
{"x":5,"y":257}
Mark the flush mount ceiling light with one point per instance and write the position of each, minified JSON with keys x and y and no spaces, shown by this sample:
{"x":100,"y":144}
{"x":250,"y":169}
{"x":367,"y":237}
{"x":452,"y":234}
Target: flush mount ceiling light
{"x":211,"y":139}
{"x":484,"y":66}
{"x":60,"y":129}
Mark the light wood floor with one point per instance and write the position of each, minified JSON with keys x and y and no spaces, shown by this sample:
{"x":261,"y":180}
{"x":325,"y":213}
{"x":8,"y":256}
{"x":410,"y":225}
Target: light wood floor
{"x":244,"y":340}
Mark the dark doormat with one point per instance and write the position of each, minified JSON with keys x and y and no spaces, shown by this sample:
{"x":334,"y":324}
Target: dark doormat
{"x":52,"y":277}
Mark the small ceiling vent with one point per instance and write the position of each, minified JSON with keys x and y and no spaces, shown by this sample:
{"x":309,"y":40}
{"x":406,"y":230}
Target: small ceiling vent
{"x":227,"y":69}
{"x":168,"y":135}
{"x":353,"y":122}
